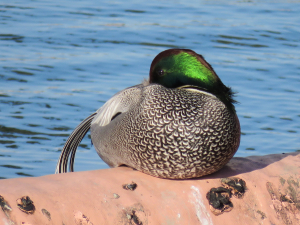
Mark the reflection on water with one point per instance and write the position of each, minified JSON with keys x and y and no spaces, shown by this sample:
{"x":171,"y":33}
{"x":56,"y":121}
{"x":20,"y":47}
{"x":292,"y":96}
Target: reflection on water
{"x":60,"y":61}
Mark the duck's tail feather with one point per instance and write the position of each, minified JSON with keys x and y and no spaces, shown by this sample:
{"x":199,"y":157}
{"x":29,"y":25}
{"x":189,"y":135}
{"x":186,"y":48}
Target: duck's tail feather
{"x":71,"y":145}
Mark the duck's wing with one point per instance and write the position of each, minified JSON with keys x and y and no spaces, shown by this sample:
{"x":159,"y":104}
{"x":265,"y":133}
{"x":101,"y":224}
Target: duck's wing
{"x":119,"y":103}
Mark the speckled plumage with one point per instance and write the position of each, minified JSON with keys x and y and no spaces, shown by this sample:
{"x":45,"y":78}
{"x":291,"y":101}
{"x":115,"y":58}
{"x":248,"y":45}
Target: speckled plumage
{"x":168,"y":133}
{"x":180,"y":124}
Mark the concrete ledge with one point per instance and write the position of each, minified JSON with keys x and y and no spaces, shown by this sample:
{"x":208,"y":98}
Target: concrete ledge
{"x":102,"y":197}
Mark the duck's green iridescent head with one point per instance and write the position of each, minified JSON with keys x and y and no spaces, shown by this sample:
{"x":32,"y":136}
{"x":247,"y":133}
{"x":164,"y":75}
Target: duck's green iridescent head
{"x":174,"y":68}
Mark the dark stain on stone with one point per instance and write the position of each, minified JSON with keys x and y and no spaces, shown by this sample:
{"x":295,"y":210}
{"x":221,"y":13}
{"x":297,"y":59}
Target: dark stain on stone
{"x":25,"y":204}
{"x":133,"y":218}
{"x":130,"y":187}
{"x":291,"y":181}
{"x":263,"y":215}
{"x":81,"y":219}
{"x":5,"y":207}
{"x":219,"y":200}
{"x":286,"y":200}
{"x":270,"y":190}
{"x":133,"y":215}
{"x":293,"y":191}
{"x":236,"y":185}
{"x":282,"y":181}
{"x":46,"y":213}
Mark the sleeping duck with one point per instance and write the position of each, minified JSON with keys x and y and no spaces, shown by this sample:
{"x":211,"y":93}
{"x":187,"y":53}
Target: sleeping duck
{"x":179,"y":124}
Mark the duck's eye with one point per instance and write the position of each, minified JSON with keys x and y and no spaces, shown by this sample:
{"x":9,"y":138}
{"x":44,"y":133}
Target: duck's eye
{"x":160,"y":72}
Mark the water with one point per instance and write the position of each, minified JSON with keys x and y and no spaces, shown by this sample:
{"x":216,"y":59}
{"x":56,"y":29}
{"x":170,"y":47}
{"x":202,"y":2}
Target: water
{"x":60,"y":61}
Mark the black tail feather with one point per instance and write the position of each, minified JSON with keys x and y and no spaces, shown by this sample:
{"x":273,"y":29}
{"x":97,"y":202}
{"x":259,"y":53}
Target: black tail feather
{"x":71,"y":145}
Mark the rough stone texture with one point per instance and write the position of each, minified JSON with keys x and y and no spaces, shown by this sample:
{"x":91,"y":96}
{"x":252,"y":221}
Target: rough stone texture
{"x":98,"y":197}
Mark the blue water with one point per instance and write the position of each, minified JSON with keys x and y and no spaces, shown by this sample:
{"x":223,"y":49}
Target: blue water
{"x":61,"y":60}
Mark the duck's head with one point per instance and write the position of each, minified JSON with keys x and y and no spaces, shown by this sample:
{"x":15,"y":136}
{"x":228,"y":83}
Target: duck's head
{"x":174,"y":68}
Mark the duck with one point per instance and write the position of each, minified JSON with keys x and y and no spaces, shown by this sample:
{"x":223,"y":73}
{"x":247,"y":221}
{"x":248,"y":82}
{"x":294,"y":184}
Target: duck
{"x":181,"y":123}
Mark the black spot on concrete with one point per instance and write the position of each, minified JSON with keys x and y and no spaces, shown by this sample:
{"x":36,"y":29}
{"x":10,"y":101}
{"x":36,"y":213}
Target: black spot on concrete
{"x":5,"y":207}
{"x":25,"y":204}
{"x":219,"y":200}
{"x":46,"y":213}
{"x":263,"y":215}
{"x":130,"y":187}
{"x":236,"y":185}
{"x":133,"y":215}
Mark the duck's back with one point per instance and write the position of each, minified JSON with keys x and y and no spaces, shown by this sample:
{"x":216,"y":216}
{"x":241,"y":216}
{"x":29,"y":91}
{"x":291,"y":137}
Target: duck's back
{"x":167,"y":133}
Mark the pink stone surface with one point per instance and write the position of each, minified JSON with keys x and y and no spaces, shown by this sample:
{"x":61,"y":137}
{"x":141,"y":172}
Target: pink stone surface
{"x":97,"y":197}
